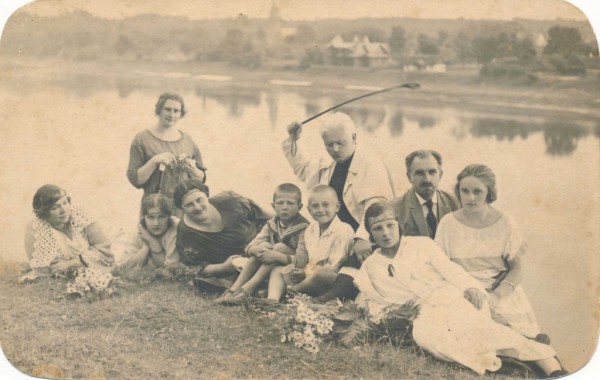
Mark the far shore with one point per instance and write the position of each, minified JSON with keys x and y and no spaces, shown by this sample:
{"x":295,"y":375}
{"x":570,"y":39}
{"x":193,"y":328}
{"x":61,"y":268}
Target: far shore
{"x":552,"y":96}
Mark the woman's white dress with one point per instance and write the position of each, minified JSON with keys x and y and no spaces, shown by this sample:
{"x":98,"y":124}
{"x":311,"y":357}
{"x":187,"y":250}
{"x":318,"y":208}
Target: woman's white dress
{"x":484,"y":254}
{"x":448,"y":326}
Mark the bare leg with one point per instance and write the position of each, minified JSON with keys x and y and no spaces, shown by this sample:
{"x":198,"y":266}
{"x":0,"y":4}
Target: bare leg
{"x":316,"y":283}
{"x":252,"y":265}
{"x":276,"y":284}
{"x":261,"y":274}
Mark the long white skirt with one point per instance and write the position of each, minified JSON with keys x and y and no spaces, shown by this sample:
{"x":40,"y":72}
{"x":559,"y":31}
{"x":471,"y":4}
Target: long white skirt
{"x":451,"y":329}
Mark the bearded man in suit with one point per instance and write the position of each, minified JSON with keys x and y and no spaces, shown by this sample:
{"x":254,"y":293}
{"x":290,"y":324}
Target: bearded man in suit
{"x":422,"y":207}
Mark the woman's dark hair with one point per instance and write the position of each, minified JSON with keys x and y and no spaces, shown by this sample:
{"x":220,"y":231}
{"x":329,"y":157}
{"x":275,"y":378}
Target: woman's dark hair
{"x":374,"y":211}
{"x":185,"y":187}
{"x":160,"y":103}
{"x":161,"y":201}
{"x":482,"y":173}
{"x":44,"y":199}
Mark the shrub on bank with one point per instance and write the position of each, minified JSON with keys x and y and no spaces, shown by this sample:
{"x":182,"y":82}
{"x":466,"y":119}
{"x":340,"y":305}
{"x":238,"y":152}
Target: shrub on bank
{"x":512,"y":72}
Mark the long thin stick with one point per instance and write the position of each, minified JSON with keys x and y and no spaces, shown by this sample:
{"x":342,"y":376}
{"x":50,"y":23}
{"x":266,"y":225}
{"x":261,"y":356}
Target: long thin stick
{"x":411,"y":86}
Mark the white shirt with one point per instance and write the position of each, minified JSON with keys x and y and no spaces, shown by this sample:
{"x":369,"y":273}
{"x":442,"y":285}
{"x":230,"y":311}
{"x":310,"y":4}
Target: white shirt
{"x":329,"y":249}
{"x":424,"y":207}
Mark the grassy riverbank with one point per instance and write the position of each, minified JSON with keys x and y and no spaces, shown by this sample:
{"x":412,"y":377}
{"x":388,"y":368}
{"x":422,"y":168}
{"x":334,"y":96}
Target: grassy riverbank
{"x":169,"y":330}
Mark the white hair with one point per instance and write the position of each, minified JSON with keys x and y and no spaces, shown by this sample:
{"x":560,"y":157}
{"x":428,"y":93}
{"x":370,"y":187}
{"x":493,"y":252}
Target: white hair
{"x":337,"y":120}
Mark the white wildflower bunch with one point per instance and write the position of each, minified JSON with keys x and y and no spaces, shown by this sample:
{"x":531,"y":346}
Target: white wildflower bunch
{"x":96,"y":278}
{"x":310,"y":324}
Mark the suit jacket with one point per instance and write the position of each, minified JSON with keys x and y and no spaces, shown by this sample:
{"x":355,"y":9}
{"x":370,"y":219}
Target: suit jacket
{"x":410,"y":212}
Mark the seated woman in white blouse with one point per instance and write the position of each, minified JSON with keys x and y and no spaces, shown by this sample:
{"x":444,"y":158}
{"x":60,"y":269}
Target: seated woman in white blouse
{"x":454,"y":321}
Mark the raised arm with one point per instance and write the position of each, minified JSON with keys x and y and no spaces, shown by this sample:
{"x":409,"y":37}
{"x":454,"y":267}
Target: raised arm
{"x":306,"y":170}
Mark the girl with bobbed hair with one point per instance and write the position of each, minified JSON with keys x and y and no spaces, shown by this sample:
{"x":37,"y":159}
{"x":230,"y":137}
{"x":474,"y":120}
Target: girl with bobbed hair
{"x":487,"y":243}
{"x":163,"y":156}
{"x":63,"y":239}
{"x":152,"y":245}
{"x":454,"y":321}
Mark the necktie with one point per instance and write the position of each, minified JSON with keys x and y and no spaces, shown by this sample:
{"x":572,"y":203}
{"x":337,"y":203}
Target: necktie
{"x":431,"y":218}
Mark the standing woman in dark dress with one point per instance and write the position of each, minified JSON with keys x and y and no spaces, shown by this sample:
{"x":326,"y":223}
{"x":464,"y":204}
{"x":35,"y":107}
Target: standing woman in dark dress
{"x":163,"y":156}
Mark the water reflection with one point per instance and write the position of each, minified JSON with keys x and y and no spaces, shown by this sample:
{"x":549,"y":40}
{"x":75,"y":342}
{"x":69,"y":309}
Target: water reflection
{"x":273,"y":105}
{"x":235,"y":100}
{"x":83,"y":85}
{"x":125,"y":87}
{"x":368,"y":119}
{"x":396,"y":124}
{"x":427,"y":122}
{"x":561,"y":140}
{"x":312,"y":107}
{"x":501,"y":128}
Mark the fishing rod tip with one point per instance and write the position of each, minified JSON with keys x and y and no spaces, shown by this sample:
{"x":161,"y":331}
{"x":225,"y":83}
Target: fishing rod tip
{"x":412,"y":85}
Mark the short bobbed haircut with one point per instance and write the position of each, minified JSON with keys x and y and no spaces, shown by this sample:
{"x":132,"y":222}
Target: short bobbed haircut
{"x":160,"y":201}
{"x":45,"y":197}
{"x":337,"y":120}
{"x":482,"y":173}
{"x":422,"y":153}
{"x":377,"y":209}
{"x":289,"y":188}
{"x":160,"y":103}
{"x":185,"y":187}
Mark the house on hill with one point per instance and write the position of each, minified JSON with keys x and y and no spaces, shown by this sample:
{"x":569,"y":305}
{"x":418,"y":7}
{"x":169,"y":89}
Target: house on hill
{"x":358,"y":53}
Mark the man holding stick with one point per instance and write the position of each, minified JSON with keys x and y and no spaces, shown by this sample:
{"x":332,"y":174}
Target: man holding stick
{"x":358,"y":177}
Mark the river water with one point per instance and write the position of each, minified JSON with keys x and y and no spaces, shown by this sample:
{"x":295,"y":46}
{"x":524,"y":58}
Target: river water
{"x":77,"y":132}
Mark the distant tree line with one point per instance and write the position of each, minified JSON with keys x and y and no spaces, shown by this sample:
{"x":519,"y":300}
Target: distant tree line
{"x":500,"y":48}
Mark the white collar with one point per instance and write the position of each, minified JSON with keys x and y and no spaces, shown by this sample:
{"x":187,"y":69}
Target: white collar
{"x":434,"y":198}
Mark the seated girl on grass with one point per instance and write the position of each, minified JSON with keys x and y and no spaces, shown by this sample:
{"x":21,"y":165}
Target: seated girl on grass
{"x":274,"y":245}
{"x":326,"y":243}
{"x":152,"y":245}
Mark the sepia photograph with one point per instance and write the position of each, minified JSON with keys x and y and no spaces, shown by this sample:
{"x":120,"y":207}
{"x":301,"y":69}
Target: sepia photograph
{"x":390,"y":189}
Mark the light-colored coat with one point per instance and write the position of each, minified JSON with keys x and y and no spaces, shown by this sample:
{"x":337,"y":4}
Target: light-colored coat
{"x":368,"y":178}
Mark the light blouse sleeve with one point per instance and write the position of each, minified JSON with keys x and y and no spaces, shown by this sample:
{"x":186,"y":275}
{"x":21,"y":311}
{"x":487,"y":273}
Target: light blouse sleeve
{"x":515,"y":246}
{"x":99,"y":243}
{"x":451,"y":272}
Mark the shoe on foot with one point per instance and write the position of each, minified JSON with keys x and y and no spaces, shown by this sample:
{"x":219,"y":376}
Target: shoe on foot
{"x":220,"y":300}
{"x":239,"y":297}
{"x":542,"y":338}
{"x":558,"y":373}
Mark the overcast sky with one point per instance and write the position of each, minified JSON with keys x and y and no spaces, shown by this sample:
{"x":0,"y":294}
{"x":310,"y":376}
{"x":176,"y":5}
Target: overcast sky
{"x":314,"y":9}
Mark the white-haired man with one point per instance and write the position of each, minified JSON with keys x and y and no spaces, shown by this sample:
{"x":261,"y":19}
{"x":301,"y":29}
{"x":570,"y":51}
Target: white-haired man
{"x":359,"y":178}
